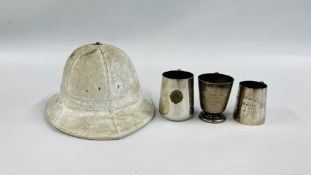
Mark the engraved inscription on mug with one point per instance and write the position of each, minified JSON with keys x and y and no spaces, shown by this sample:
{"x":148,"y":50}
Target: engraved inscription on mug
{"x":215,"y":97}
{"x":249,"y":106}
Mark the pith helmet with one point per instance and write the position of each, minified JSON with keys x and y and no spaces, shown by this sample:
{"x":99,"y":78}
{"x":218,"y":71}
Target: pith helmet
{"x":100,"y":95}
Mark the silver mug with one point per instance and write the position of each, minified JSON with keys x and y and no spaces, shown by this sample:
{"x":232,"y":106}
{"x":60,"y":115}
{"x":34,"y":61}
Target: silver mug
{"x":250,"y":107}
{"x":214,"y":89}
{"x":176,"y":99}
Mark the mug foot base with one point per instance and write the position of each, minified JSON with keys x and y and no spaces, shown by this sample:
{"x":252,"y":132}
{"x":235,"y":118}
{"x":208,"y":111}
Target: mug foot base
{"x":212,"y":118}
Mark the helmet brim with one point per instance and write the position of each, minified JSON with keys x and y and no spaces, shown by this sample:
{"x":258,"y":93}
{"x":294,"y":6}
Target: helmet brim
{"x":99,"y":125}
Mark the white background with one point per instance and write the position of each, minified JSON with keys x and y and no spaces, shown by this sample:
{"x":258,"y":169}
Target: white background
{"x":263,"y":40}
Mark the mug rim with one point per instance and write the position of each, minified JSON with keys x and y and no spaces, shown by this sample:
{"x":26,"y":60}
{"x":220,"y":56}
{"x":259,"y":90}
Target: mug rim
{"x":253,"y":84}
{"x":177,"y":75}
{"x":201,"y":78}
